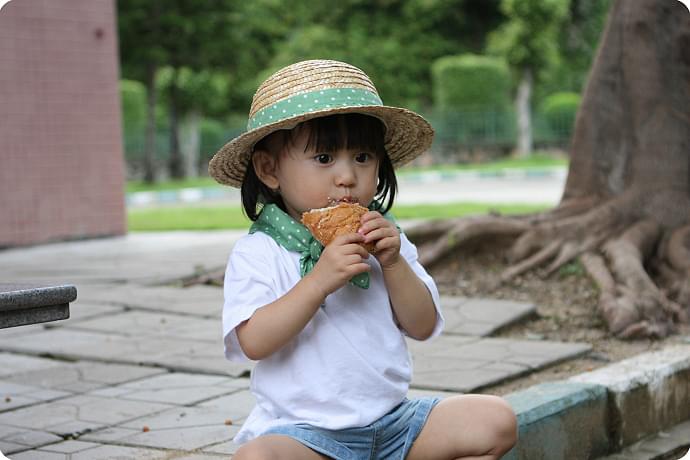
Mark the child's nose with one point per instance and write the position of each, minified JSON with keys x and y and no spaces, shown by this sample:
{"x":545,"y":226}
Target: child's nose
{"x":345,"y":175}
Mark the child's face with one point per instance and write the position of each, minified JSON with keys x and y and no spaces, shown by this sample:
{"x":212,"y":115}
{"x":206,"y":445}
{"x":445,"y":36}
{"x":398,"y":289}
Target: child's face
{"x":310,"y":179}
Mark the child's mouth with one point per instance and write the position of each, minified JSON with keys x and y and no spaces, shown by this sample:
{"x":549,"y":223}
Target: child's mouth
{"x":345,"y":199}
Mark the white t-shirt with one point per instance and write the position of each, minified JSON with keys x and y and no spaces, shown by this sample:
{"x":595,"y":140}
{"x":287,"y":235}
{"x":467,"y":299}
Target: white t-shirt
{"x":348,"y":367}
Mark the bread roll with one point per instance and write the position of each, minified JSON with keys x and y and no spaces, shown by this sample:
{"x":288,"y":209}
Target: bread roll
{"x":328,"y":223}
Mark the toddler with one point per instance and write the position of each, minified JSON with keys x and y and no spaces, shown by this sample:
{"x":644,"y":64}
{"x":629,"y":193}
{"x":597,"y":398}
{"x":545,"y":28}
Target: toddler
{"x":327,"y":326}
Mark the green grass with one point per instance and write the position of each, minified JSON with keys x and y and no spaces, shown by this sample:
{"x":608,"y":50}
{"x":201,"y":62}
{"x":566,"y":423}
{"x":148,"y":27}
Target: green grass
{"x":537,"y":160}
{"x":215,"y":217}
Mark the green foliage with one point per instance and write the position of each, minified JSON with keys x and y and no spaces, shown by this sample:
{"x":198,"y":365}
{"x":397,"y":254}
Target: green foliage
{"x":471,"y":100}
{"x":205,"y":91}
{"x":528,"y":40}
{"x":133,"y":97}
{"x":560,"y":109}
{"x":221,"y":50}
{"x":577,"y":42}
{"x":214,"y":135}
{"x":470,"y":82}
{"x":572,"y":269}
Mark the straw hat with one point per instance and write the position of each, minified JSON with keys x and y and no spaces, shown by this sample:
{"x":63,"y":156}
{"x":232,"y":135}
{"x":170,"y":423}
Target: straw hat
{"x":311,"y":89}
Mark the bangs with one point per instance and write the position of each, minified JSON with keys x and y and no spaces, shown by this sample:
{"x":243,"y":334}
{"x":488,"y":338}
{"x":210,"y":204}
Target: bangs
{"x":351,"y":131}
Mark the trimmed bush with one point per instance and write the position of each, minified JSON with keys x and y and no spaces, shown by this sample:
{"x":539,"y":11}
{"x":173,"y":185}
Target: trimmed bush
{"x":472,"y":101}
{"x":133,"y":98}
{"x":560,"y":109}
{"x":470,"y":82}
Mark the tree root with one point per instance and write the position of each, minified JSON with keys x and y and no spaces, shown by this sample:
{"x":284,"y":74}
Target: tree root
{"x":463,"y":230}
{"x":642,"y":269}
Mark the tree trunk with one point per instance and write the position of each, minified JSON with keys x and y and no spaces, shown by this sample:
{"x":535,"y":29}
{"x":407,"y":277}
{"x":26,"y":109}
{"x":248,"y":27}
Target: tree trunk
{"x":191,"y":142}
{"x":625,"y":211}
{"x":524,"y":115}
{"x":150,"y":142}
{"x":175,"y":164}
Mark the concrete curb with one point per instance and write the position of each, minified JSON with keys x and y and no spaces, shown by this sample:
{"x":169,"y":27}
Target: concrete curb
{"x":600,"y":412}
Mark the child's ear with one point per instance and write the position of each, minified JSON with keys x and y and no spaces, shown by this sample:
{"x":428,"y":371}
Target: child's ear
{"x":265,"y":166}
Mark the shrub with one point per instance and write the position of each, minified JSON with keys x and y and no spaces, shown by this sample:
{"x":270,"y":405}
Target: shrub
{"x":470,"y":82}
{"x":133,"y":98}
{"x":560,"y":109}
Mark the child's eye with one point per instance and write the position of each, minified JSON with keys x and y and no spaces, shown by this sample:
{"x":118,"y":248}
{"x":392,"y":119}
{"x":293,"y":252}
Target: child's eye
{"x":362,"y":157}
{"x":323,"y":158}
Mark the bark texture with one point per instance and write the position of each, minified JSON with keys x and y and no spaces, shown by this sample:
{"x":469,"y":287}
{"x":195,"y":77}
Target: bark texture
{"x":625,"y":211}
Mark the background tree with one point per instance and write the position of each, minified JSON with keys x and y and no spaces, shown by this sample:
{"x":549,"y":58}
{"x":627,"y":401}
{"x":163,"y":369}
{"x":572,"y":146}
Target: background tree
{"x":142,"y":52}
{"x":181,"y":33}
{"x":197,"y":94}
{"x":625,"y":211}
{"x":528,"y":41}
{"x":395,"y":41}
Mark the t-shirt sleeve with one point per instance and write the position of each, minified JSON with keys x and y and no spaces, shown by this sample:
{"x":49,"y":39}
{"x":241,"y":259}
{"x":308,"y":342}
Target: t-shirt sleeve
{"x":249,"y":285}
{"x":409,"y":252}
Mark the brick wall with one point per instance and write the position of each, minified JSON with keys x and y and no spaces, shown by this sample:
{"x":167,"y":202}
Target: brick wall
{"x":61,"y":161}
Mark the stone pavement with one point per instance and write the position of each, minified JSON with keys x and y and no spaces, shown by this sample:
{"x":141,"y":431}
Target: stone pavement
{"x":138,"y":372}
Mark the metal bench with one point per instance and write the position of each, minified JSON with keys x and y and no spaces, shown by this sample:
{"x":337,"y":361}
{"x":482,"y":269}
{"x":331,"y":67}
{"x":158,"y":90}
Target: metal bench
{"x":22,"y":304}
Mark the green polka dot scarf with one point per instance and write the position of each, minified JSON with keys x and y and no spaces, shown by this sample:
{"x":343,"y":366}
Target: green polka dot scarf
{"x":294,"y":236}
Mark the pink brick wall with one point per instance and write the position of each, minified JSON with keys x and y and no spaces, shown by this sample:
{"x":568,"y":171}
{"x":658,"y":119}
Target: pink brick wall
{"x":61,"y":161}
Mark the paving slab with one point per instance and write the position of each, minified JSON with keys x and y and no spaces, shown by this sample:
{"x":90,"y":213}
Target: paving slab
{"x":481,"y":317}
{"x":142,"y":258}
{"x":236,"y":406}
{"x":16,"y":395}
{"x":461,"y":363}
{"x":149,"y":324}
{"x":94,"y":451}
{"x":15,"y":439}
{"x":78,"y":414}
{"x":80,"y":310}
{"x":189,"y":428}
{"x":174,"y":388}
{"x":199,"y":300}
{"x":169,"y":352}
{"x":13,"y":364}
{"x":79,"y":377}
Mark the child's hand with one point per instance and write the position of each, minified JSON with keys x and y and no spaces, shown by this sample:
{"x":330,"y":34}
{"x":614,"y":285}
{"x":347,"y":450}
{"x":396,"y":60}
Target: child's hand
{"x":378,"y":229}
{"x":342,"y":259}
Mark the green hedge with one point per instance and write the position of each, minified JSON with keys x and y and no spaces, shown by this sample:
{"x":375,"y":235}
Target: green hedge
{"x":470,"y":82}
{"x":559,"y":110}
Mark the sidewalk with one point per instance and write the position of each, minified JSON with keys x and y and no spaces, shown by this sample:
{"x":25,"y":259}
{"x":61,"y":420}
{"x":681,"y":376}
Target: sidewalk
{"x":138,"y":372}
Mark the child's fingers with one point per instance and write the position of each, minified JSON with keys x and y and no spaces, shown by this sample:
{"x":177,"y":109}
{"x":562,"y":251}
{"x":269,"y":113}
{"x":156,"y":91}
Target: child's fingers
{"x":380,"y":233}
{"x":374,"y":223}
{"x":370,"y":215}
{"x":349,"y":238}
{"x":386,"y":243}
{"x":356,"y":269}
{"x":350,"y":244}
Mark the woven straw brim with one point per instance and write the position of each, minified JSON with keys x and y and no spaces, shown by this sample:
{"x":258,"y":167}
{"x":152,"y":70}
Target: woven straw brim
{"x":408,"y":135}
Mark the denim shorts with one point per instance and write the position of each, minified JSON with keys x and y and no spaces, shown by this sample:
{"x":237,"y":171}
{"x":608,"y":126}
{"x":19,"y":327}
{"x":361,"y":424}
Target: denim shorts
{"x":388,"y":438}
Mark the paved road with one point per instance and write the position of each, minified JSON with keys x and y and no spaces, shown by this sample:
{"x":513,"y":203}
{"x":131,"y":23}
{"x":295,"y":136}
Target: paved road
{"x":518,"y":186}
{"x":538,"y":190}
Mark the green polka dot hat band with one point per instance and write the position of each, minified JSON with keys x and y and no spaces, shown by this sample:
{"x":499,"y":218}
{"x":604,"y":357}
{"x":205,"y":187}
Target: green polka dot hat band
{"x":311,"y":89}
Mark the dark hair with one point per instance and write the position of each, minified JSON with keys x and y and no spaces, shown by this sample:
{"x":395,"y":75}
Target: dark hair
{"x":326,"y":134}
